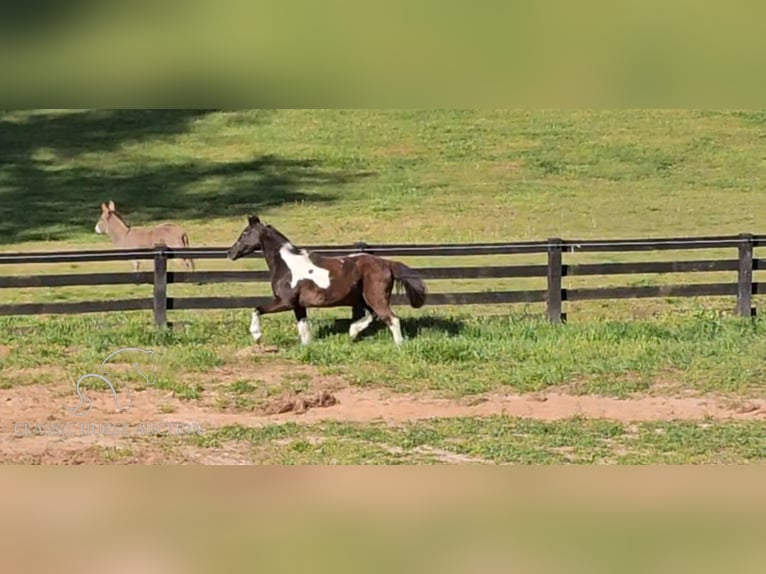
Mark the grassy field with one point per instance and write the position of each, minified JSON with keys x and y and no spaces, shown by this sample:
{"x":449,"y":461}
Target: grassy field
{"x":338,"y":176}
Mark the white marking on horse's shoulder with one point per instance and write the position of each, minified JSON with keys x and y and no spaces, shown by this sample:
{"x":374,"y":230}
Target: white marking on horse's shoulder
{"x":301,"y":267}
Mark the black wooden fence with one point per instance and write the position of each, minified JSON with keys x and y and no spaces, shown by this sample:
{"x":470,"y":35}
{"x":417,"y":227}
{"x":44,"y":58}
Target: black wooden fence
{"x":555,"y":271}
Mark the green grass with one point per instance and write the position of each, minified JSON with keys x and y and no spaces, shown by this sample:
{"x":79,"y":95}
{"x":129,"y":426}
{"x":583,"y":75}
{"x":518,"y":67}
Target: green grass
{"x":414,"y":175}
{"x":498,"y":439}
{"x":382,"y":176}
{"x":455,"y":354}
{"x":338,"y":176}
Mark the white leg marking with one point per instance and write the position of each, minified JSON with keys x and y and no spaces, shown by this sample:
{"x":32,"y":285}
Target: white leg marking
{"x":359,"y":325}
{"x":304,"y":331}
{"x":396,"y":330}
{"x":255,"y":326}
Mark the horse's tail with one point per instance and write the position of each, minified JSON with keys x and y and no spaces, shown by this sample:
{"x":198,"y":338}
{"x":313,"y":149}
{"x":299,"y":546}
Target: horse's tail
{"x":413,"y":285}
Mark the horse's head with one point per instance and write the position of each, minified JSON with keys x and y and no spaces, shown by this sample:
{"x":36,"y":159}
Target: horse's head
{"x":107,"y":213}
{"x":249,"y":240}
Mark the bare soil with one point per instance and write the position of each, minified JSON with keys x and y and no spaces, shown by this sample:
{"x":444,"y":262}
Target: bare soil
{"x":37,"y":428}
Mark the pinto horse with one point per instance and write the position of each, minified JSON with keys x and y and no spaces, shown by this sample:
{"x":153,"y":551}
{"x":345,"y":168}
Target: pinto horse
{"x":300,"y":280}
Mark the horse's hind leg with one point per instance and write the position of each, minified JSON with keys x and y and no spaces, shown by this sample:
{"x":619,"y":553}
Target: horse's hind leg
{"x":378,"y":297}
{"x":360,"y":324}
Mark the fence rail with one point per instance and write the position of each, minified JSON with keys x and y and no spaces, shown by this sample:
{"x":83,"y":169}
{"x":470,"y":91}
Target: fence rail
{"x":554,"y":271}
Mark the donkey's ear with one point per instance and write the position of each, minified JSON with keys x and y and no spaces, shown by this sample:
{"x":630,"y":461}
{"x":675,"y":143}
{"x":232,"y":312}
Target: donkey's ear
{"x":111,"y":206}
{"x":253,"y":219}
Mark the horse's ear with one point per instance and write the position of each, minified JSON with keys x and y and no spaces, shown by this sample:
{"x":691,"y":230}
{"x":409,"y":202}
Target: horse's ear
{"x":253,"y":219}
{"x":104,"y":208}
{"x":111,"y":206}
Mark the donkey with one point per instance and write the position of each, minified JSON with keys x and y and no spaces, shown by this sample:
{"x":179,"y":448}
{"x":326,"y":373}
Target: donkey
{"x":300,"y":279}
{"x":126,"y":237}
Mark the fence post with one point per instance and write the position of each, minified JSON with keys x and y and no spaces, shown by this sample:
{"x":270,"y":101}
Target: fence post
{"x":160,"y":296}
{"x":358,"y":311}
{"x":555,"y":270}
{"x":745,"y":276}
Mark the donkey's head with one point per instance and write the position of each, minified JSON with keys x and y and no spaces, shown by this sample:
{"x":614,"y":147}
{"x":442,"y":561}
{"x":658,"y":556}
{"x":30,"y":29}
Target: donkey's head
{"x":249,"y":240}
{"x":108,"y":214}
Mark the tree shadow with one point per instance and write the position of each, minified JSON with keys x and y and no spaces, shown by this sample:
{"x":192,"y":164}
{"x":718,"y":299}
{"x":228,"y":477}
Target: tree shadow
{"x":45,"y":197}
{"x":37,"y":17}
{"x":412,"y":327}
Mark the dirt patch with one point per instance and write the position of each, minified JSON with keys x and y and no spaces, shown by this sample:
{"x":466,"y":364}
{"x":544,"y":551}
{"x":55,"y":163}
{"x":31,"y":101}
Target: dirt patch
{"x":299,"y":403}
{"x":229,"y":453}
{"x":369,"y":405}
{"x":279,"y":393}
{"x":5,"y":351}
{"x":23,"y":375}
{"x":267,"y":388}
{"x":255,"y":350}
{"x":90,"y":450}
{"x":37,"y":403}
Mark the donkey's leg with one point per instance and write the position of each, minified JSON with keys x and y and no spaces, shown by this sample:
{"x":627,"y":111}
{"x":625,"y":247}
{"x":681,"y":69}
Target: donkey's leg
{"x":273,"y":306}
{"x":304,"y":330}
{"x":187,"y":263}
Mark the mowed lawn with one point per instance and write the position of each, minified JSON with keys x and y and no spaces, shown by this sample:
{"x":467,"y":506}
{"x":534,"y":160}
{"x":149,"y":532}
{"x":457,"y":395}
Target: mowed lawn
{"x":404,"y":176}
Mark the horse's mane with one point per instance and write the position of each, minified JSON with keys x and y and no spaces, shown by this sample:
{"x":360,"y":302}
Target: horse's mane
{"x":275,"y":233}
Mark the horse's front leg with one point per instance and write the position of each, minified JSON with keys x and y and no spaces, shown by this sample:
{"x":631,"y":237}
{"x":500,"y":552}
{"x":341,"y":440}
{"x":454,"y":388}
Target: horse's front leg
{"x":303,"y":324}
{"x":274,"y":306}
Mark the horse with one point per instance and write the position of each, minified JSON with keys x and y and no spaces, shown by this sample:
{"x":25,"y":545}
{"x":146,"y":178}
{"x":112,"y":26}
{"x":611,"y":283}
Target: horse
{"x":300,"y":280}
{"x":124,"y":236}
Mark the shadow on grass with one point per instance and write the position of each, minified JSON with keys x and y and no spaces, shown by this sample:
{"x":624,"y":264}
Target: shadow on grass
{"x":412,"y":327}
{"x":46,"y":194}
{"x":37,"y":17}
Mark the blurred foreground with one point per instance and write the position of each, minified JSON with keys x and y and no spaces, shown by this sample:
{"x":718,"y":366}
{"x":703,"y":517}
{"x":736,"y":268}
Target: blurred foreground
{"x":382,"y":520}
